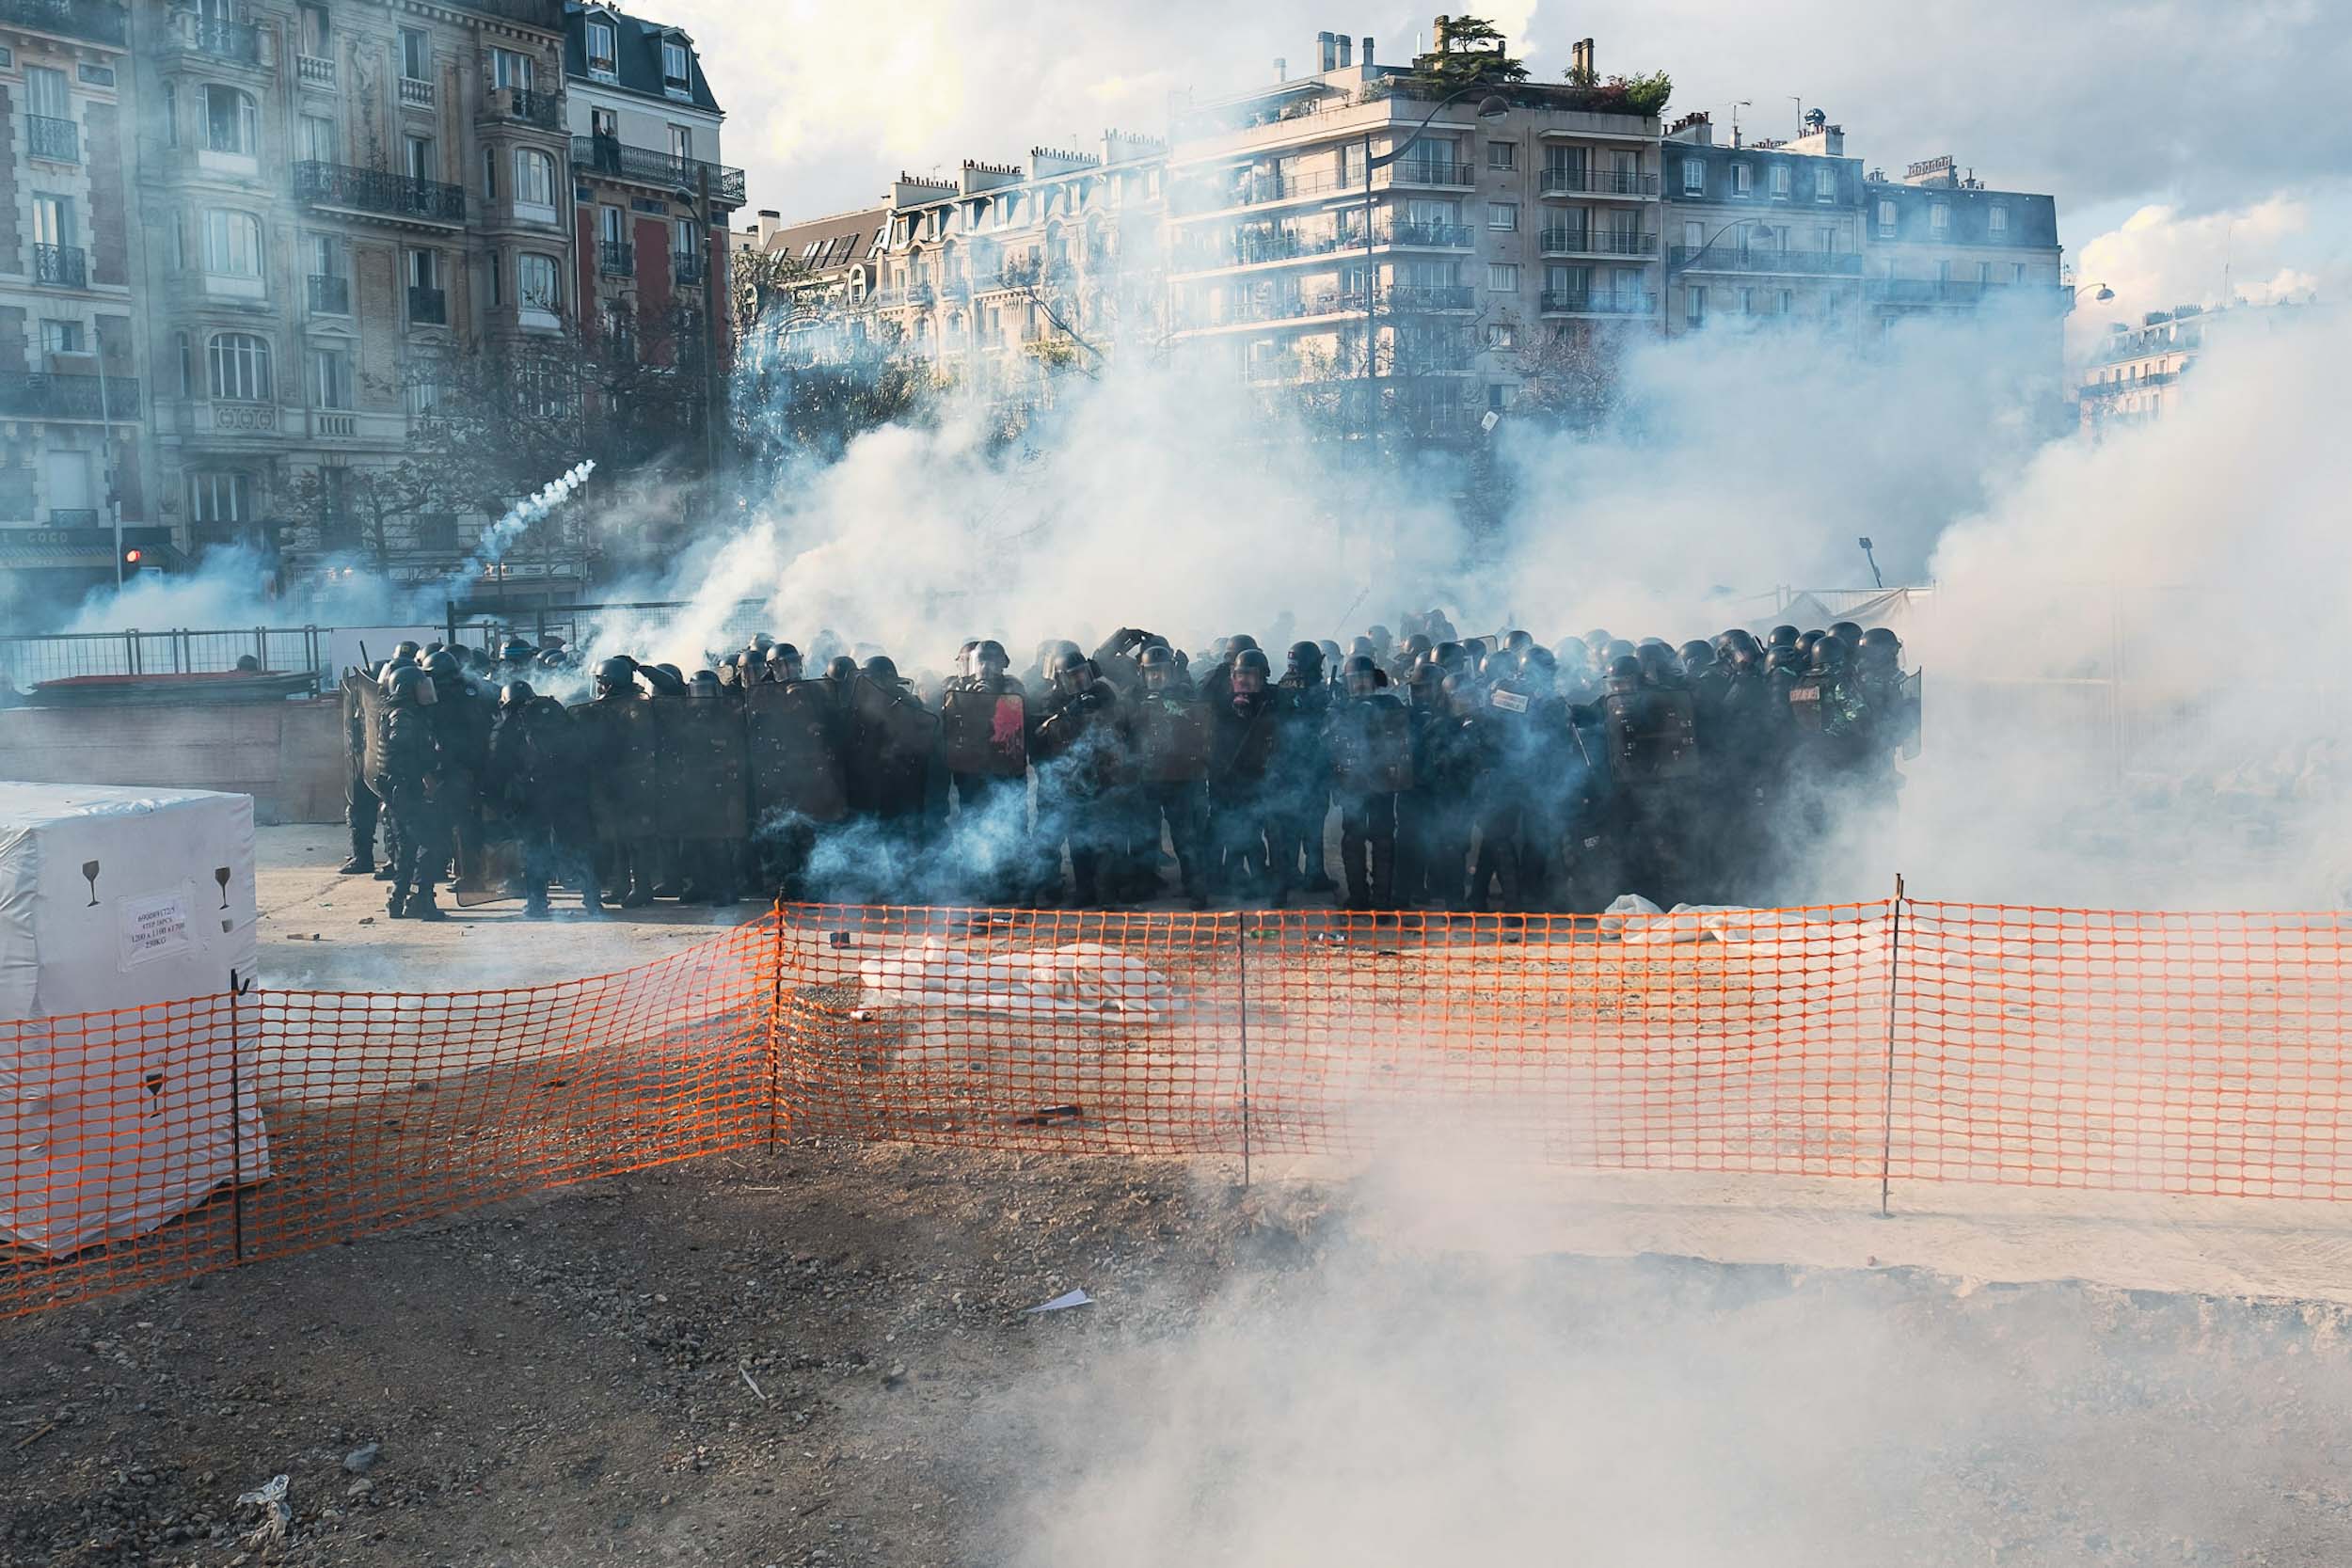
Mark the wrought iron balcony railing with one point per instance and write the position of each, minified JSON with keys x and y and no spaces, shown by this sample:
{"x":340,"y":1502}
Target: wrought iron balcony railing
{"x":91,"y":20}
{"x":427,"y":307}
{"x":376,"y":190}
{"x":44,"y":395}
{"x":58,"y":140}
{"x":330,"y":296}
{"x":61,"y":266}
{"x":643,"y":165}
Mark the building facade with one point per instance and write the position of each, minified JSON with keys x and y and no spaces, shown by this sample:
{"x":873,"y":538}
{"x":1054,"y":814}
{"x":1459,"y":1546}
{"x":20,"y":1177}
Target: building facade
{"x":816,"y":278}
{"x":1763,"y":235}
{"x":1334,"y":260}
{"x":74,"y":339}
{"x":1940,"y":242}
{"x":336,"y":199}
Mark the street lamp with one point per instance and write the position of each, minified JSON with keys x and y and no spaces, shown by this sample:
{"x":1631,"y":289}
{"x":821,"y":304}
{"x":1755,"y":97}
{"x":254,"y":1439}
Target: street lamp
{"x":1691,"y":260}
{"x":1494,"y":106}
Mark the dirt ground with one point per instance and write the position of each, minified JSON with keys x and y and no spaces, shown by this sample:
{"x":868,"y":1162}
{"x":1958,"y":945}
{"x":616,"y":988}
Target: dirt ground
{"x":825,"y":1357}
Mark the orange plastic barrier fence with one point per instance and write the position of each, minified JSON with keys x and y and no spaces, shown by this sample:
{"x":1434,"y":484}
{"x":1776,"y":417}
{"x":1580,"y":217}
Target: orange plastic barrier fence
{"x":1898,"y":1043}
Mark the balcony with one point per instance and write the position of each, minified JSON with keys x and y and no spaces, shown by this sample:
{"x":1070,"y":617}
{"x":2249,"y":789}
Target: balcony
{"x":1430,"y":171}
{"x":523,"y":107}
{"x":1810,"y":264}
{"x":61,"y":266}
{"x":427,"y":307}
{"x":1430,"y":236}
{"x":617,"y":258}
{"x":642,"y":166}
{"x":90,"y":21}
{"x":2132,"y":384}
{"x":329,"y":295}
{"x":1256,"y":190}
{"x":380,"y":192}
{"x":415,"y":93}
{"x":332,"y":424}
{"x":1597,"y":241}
{"x":314,"y":71}
{"x":237,"y":42}
{"x":689,"y":267}
{"x":1570,"y":181}
{"x":1429,"y":296}
{"x":58,"y":140}
{"x":50,"y":396}
{"x":77,"y":517}
{"x":1581,"y":302}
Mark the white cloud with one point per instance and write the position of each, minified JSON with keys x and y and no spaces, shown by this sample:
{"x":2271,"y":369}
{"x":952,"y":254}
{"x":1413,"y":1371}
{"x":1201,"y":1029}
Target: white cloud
{"x":2278,"y":248}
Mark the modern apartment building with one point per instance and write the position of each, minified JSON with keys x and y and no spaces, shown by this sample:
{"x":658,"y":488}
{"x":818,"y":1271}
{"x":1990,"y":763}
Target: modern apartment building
{"x":1340,"y":242}
{"x":73,"y":458}
{"x":1939,"y":240}
{"x":335,"y":198}
{"x":1765,"y":233}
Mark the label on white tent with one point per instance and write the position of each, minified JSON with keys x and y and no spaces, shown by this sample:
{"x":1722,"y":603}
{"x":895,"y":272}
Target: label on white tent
{"x":155,"y":927}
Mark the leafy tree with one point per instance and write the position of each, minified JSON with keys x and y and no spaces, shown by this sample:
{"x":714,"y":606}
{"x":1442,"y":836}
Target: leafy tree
{"x":1473,"y":51}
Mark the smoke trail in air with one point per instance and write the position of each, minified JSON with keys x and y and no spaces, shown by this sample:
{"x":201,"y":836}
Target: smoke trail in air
{"x":499,"y":536}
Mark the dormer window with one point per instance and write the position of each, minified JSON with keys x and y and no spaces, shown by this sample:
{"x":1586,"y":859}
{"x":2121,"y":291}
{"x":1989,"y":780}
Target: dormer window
{"x":604,"y":51}
{"x":677,"y":76}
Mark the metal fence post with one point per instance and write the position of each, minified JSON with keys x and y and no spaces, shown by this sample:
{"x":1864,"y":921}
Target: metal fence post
{"x":1241,"y":945}
{"x":236,"y":1128}
{"x":1886,"y":1110}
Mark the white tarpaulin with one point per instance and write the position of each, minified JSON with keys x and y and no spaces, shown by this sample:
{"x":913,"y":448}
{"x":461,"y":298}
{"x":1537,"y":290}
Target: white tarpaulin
{"x":114,"y":899}
{"x":1081,"y":978}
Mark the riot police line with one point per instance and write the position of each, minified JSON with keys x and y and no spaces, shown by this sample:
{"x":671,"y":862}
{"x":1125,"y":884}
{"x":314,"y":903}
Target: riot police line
{"x":1465,"y":773}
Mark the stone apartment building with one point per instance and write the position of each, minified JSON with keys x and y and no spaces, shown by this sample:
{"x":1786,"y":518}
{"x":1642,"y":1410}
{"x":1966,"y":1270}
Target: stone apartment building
{"x":825,"y":270}
{"x":334,"y":197}
{"x":1939,"y":240}
{"x":73,"y":352}
{"x":2138,"y":374}
{"x":1323,"y":254}
{"x":1763,"y":235}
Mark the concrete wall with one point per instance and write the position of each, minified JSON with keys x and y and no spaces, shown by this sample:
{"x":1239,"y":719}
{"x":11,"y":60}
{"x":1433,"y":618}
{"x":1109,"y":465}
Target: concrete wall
{"x":289,"y":756}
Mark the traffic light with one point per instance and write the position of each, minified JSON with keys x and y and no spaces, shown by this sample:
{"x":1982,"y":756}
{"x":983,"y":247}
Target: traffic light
{"x":132,"y":556}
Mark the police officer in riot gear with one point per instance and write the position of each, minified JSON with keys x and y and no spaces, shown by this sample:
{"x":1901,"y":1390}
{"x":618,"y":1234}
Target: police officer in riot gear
{"x":991,"y":808}
{"x":1242,"y":745}
{"x":1303,"y":770}
{"x":408,"y":779}
{"x":628,"y":869}
{"x":533,"y":775}
{"x":1164,"y":718}
{"x":784,"y":663}
{"x":461,"y":726}
{"x":1368,"y":739}
{"x":1081,"y":759}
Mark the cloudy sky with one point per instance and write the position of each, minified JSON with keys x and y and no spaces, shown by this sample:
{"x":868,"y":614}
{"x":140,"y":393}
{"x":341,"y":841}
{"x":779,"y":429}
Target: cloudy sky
{"x":2187,"y":140}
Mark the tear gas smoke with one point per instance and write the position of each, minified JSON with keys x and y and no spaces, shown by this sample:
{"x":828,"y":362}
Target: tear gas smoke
{"x":499,"y":536}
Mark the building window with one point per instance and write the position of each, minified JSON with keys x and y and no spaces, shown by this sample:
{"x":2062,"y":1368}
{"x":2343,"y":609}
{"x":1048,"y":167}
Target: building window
{"x":676,"y":74}
{"x":535,"y":177}
{"x":330,"y":378}
{"x":1693,"y":177}
{"x":1788,"y":302}
{"x":1502,"y":278}
{"x":612,"y":226}
{"x":1503,"y":215}
{"x":53,"y":221}
{"x":1997,"y":220}
{"x":537,"y":283}
{"x":424,"y":162}
{"x":498,"y":281}
{"x":1747,"y":302}
{"x":232,"y":243}
{"x":1694,"y":306}
{"x":216,"y":497}
{"x":1502,"y":154}
{"x":1500,"y":335}
{"x":1825,"y":183}
{"x":232,"y":121}
{"x":1886,"y":216}
{"x":1984,"y":272}
{"x":1780,"y":181}
{"x":318,"y":138}
{"x":314,"y":30}
{"x":61,"y":336}
{"x":1943,"y":270}
{"x":1940,"y":219}
{"x":1743,"y":179}
{"x":510,"y":67}
{"x":415,"y":55}
{"x":604,"y":53}
{"x":2017,"y":272}
{"x":424,"y":269}
{"x":239,"y":363}
{"x":682,"y":148}
{"x":604,"y":124}
{"x":183,"y":359}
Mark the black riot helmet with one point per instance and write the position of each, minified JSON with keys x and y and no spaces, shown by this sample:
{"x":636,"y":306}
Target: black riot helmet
{"x":1362,"y":675}
{"x":1239,"y":640}
{"x":444,"y":665}
{"x":406,"y":651}
{"x":1331,"y":654}
{"x":1519,"y":641}
{"x":841,"y":668}
{"x":1156,"y":665}
{"x":1460,"y":692}
{"x":1782,"y":637}
{"x":1882,"y":650}
{"x":1781,"y":658}
{"x":1062,"y":645}
{"x":407,"y":685}
{"x":1829,"y":655}
{"x":550,"y":659}
{"x":1451,"y":658}
{"x":1846,"y":632}
{"x":1250,"y":671}
{"x":1624,"y":674}
{"x":1807,"y":642}
{"x":784,"y":661}
{"x":1363,"y":647}
{"x":759,"y":645}
{"x":517,"y":651}
{"x":1499,"y":666}
{"x":703,"y":683}
{"x":515,"y":694}
{"x":1305,"y":661}
{"x":1695,"y":655}
{"x":1539,"y":668}
{"x":1613,"y":650}
{"x":671,"y":671}
{"x":1659,"y":664}
{"x":616,"y":676}
{"x":1426,"y":683}
{"x":882,"y":670}
{"x":1418,"y":644}
{"x":1597,"y":640}
{"x":730,"y":673}
{"x":1071,"y":671}
{"x":990,"y":658}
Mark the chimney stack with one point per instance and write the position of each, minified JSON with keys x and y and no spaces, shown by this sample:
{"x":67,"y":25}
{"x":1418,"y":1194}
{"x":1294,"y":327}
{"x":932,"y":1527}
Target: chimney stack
{"x":1347,"y":51}
{"x":1441,"y":34}
{"x":1581,"y":59}
{"x":1282,"y":69}
{"x":1367,"y":55}
{"x":1328,"y":50}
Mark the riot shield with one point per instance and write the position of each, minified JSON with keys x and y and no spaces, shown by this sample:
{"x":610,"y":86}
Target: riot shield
{"x":793,"y":754}
{"x":491,"y":876}
{"x":703,"y":755}
{"x":984,"y":732}
{"x":1809,"y":705}
{"x":1652,"y":736}
{"x":371,"y":699}
{"x":890,"y":754}
{"x":1372,"y":753}
{"x":1910,"y":693}
{"x":622,"y":751}
{"x":1172,"y":739}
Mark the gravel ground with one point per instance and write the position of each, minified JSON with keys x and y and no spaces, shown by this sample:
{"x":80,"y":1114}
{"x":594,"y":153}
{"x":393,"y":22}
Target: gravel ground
{"x":825,"y":1357}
